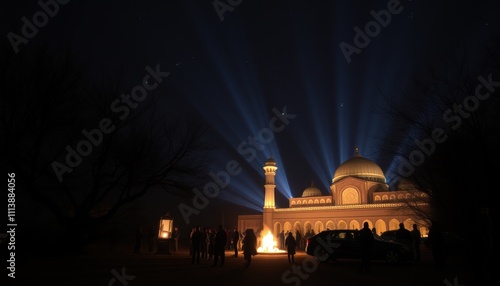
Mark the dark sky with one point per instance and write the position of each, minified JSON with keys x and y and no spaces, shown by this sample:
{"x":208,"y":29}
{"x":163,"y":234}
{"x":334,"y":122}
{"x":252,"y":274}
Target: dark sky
{"x":265,"y":56}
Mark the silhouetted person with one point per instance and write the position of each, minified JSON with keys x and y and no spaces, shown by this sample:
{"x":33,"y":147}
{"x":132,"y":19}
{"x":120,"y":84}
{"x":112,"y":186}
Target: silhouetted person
{"x":249,"y":246}
{"x":196,"y":240}
{"x":436,"y":241}
{"x":240,"y":241}
{"x":403,"y":235}
{"x":203,"y":248}
{"x":176,"y":236}
{"x":374,"y":231}
{"x":193,"y":230}
{"x":282,"y":239}
{"x":220,"y":246}
{"x":211,"y":243}
{"x":366,"y":240}
{"x":229,"y":234}
{"x":298,"y":239}
{"x":235,"y":239}
{"x":290,"y":244}
{"x":307,"y":236}
{"x":415,"y":242}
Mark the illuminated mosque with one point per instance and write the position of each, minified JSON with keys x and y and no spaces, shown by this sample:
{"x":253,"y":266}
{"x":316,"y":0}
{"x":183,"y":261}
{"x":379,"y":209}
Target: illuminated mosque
{"x":359,"y":193}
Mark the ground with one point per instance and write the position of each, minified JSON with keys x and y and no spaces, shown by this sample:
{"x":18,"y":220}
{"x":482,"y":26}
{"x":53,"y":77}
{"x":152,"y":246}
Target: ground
{"x":163,"y":269}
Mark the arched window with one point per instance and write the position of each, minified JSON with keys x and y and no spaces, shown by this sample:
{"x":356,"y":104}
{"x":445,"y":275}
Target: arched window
{"x":330,"y":225}
{"x":380,"y":226}
{"x":318,"y":227}
{"x":350,"y":196}
{"x":393,"y":224}
{"x":354,"y":224}
{"x":342,"y":225}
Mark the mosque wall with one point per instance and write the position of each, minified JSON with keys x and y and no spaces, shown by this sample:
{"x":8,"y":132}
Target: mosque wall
{"x":353,"y":201}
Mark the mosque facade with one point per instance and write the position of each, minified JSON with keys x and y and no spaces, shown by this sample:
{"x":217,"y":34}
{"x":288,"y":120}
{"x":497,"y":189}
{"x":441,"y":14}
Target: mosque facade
{"x":358,"y":193}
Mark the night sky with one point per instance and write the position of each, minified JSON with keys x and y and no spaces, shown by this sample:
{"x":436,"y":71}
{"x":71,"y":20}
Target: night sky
{"x":243,"y":66}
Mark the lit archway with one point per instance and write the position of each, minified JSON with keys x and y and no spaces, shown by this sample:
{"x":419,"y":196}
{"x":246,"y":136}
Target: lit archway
{"x":277,"y":229}
{"x":342,"y":224}
{"x":380,"y":226}
{"x":409,"y":224}
{"x":318,"y":227}
{"x":297,"y":227}
{"x":354,"y":224}
{"x":393,"y":224}
{"x":330,"y":225}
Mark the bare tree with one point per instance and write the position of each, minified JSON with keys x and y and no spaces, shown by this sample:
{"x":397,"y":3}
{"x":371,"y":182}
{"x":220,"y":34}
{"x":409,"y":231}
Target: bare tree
{"x":49,"y":107}
{"x":446,"y":140}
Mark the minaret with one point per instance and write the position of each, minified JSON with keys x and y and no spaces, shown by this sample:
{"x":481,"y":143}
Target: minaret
{"x":269,"y":206}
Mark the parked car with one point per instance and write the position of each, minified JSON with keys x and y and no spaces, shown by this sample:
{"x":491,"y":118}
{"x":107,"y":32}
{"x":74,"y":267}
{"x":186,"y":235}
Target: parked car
{"x":389,"y":235}
{"x":343,"y":244}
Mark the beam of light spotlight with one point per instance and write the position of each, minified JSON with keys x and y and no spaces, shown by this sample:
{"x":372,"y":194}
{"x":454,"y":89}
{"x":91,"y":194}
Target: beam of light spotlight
{"x":281,"y":179}
{"x":404,"y":148}
{"x":238,"y":112}
{"x":254,"y":197}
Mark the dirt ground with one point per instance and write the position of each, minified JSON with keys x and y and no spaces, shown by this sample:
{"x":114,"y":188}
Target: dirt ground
{"x":176,"y":268}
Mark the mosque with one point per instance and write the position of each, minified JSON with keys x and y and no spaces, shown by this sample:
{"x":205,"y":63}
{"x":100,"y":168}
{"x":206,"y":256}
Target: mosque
{"x":358,"y":193}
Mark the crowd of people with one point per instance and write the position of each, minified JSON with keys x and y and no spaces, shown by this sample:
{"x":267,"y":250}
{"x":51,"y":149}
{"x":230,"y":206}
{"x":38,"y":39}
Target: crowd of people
{"x":211,"y":244}
{"x":202,"y":241}
{"x":411,"y":238}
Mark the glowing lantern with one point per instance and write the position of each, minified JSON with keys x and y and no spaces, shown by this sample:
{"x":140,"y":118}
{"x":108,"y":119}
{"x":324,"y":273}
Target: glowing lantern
{"x":166,"y":227}
{"x":165,"y":234}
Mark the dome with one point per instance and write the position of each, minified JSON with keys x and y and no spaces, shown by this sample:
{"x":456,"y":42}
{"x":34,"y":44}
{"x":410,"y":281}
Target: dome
{"x":311,"y":191}
{"x":359,"y":167}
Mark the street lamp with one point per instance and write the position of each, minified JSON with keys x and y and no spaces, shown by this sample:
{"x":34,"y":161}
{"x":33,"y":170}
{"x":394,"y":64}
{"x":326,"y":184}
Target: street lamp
{"x":165,"y":233}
